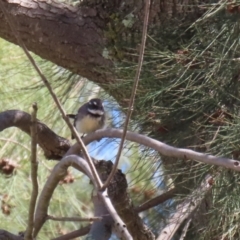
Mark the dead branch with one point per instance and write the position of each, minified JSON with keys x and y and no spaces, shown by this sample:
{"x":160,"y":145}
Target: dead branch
{"x":54,"y":146}
{"x":186,"y":208}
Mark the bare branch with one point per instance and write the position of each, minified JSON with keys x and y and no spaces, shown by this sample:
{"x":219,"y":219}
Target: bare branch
{"x":185,"y":209}
{"x":133,"y":94}
{"x":161,"y":147}
{"x":56,"y":100}
{"x":78,"y":233}
{"x":157,"y":200}
{"x":34,"y":172}
{"x":54,"y":146}
{"x":73,"y":219}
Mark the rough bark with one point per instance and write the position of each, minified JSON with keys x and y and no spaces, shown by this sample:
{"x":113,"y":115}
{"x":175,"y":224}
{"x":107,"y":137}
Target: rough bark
{"x":86,"y":39}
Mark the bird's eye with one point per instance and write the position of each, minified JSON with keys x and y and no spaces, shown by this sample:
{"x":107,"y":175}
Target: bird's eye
{"x":95,"y":103}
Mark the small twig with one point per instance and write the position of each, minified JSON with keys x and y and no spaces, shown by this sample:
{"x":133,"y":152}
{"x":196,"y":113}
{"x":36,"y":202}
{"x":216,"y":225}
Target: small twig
{"x":73,"y":219}
{"x":157,"y":200}
{"x":34,"y":170}
{"x":133,"y":94}
{"x":45,"y":81}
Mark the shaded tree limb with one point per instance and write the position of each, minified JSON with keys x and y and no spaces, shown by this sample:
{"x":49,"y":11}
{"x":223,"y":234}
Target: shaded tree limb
{"x":133,"y":94}
{"x":5,"y":235}
{"x":34,"y":172}
{"x":157,"y":200}
{"x":54,"y":146}
{"x":186,"y":208}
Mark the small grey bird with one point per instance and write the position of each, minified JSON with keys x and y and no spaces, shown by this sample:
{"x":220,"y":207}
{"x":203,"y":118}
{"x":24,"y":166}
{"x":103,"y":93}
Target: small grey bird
{"x":90,"y":117}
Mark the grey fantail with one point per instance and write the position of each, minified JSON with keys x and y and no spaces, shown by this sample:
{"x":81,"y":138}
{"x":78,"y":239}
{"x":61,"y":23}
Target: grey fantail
{"x":90,"y":117}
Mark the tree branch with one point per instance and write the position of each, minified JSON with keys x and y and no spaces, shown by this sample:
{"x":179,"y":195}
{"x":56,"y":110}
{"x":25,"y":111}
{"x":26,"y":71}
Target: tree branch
{"x":73,"y":219}
{"x":54,"y":146}
{"x":161,"y":147}
{"x":34,"y":172}
{"x":157,"y":200}
{"x":78,"y":233}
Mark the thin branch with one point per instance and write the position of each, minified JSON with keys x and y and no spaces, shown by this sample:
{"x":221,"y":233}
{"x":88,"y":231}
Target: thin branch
{"x":157,"y":200}
{"x":34,"y":172}
{"x":73,"y":219}
{"x":45,"y":81}
{"x":185,"y":229}
{"x":133,"y":94}
{"x":161,"y":147}
{"x":185,"y":209}
{"x":72,"y":235}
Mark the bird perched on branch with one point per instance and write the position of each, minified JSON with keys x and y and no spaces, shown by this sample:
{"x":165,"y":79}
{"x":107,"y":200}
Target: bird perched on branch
{"x":90,"y":117}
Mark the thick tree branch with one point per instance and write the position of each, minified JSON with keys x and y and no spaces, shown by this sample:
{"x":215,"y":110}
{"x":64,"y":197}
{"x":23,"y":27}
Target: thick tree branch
{"x":71,"y":37}
{"x":54,"y":146}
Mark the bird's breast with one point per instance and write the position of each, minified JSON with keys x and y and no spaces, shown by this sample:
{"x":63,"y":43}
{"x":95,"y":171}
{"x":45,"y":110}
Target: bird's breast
{"x":88,"y":124}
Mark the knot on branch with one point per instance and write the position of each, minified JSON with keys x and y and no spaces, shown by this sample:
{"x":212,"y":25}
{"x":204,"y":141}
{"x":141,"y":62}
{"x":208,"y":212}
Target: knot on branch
{"x":118,"y":185}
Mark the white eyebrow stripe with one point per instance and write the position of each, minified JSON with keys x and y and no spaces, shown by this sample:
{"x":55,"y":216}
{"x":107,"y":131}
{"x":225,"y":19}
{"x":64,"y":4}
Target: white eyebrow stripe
{"x":95,"y":103}
{"x":98,"y":112}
